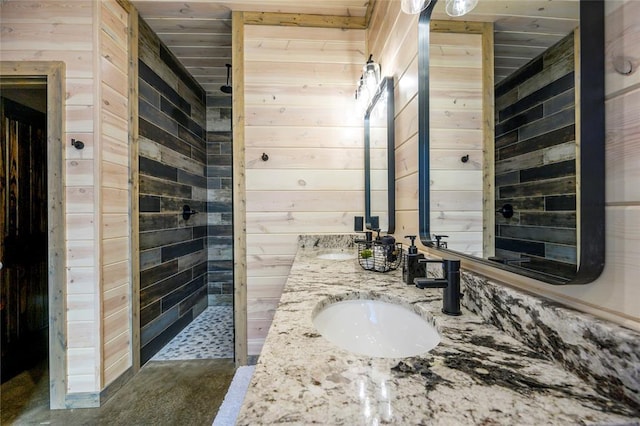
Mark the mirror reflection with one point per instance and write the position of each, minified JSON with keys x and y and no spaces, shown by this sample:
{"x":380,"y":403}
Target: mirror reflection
{"x":379,"y":160}
{"x":511,"y":193}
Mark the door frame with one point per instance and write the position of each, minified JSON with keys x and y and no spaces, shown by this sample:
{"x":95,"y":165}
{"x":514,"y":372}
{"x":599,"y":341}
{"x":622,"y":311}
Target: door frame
{"x":54,"y":72}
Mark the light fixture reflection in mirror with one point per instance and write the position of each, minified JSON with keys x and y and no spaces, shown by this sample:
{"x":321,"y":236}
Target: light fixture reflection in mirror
{"x":413,"y":7}
{"x":459,"y":7}
{"x":453,"y":7}
{"x":361,"y":97}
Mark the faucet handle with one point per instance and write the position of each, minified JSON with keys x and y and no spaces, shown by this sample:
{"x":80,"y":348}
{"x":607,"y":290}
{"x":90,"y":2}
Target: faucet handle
{"x":439,"y":242}
{"x":411,"y":238}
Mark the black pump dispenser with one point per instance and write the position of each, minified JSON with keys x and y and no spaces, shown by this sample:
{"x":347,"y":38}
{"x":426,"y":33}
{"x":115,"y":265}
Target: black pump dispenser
{"x":412,"y":268}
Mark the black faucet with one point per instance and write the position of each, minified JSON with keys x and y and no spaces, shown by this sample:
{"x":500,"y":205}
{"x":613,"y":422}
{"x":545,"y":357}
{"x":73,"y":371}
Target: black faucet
{"x":450,"y":282}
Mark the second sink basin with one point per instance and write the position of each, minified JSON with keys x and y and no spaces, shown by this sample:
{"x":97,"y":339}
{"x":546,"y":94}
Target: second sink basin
{"x":338,"y":255}
{"x":376,"y":328}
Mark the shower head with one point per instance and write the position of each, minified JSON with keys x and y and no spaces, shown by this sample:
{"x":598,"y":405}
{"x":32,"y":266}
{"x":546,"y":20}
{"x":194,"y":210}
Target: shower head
{"x":226,"y":88}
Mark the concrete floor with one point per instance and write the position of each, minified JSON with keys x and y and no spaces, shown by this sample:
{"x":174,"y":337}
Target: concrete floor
{"x":163,"y":393}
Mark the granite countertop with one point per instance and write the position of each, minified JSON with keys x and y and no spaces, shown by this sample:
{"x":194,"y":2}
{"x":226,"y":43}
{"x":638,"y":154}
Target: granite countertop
{"x":476,"y":375}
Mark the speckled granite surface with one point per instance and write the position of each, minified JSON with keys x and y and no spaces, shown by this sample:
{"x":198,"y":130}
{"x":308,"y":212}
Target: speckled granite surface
{"x":602,"y":353}
{"x":477,"y":375}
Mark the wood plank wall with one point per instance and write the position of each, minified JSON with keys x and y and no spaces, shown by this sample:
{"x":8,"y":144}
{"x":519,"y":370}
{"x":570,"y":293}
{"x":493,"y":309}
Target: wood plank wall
{"x":172,"y":165}
{"x":115,"y":229}
{"x":239,"y":192}
{"x":300,"y":111}
{"x":615,"y":294}
{"x":392,"y":38}
{"x":53,"y":31}
{"x":91,"y":38}
{"x":455,"y":104}
{"x":456,"y":58}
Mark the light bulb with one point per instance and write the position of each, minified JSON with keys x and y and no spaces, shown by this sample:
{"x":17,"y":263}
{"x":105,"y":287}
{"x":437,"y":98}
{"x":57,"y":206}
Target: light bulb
{"x":371,"y":76}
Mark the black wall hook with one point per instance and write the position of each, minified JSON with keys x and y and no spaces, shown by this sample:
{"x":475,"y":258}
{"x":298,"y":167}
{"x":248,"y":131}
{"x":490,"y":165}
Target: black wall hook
{"x":265,"y":157}
{"x":465,"y":158}
{"x":506,"y":211}
{"x":187,"y":212}
{"x":77,"y":144}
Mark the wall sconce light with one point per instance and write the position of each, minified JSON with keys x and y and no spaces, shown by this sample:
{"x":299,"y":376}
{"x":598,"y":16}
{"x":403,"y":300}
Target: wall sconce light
{"x":367,"y":84}
{"x":413,"y":7}
{"x":459,"y":7}
{"x":371,"y":76}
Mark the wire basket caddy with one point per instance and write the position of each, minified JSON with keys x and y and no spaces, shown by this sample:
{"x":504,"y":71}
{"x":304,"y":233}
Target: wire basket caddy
{"x":379,"y":256}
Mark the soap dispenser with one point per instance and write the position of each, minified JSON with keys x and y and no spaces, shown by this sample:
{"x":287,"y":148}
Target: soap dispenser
{"x":412,"y":268}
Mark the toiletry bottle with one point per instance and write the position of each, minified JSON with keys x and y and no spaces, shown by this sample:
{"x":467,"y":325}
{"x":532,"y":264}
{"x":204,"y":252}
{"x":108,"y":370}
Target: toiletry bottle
{"x":412,"y":268}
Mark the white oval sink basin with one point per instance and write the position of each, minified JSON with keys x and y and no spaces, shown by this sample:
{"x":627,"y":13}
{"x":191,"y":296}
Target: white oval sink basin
{"x":376,"y":328}
{"x":337,"y":256}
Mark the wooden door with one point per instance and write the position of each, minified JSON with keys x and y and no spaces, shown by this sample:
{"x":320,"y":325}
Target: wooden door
{"x":23,"y":233}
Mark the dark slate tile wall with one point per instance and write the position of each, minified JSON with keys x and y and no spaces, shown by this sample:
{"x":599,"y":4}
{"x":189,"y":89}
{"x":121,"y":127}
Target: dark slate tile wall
{"x":219,"y":204}
{"x":172,"y":161}
{"x":536,"y":163}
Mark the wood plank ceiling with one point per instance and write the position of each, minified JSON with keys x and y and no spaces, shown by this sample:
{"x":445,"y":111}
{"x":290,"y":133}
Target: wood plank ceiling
{"x":522,"y":29}
{"x":198,"y":32}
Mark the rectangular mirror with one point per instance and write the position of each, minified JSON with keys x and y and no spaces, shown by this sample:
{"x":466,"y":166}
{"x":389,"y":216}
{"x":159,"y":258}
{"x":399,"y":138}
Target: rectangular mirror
{"x":530,"y":199}
{"x":379,"y":160}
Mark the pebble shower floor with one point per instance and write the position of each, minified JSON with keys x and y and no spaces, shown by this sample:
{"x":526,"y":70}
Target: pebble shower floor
{"x":209,"y":336}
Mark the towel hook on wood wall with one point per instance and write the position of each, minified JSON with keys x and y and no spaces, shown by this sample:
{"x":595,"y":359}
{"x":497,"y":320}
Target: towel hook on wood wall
{"x":187,"y":212}
{"x":77,"y":144}
{"x":506,"y":211}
